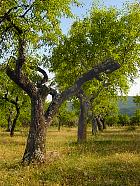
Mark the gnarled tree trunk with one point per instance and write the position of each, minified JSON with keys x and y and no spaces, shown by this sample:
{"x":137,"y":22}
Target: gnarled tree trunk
{"x":36,"y":143}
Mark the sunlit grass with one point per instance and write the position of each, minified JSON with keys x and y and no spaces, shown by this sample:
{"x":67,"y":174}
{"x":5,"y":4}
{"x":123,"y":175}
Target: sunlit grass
{"x":109,"y":158}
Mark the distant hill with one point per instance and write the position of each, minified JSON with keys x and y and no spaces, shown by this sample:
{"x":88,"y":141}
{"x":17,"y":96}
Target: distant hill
{"x":128,"y":106}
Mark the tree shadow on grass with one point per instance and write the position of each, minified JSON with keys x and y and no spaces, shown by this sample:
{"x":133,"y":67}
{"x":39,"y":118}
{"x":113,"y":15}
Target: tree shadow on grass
{"x":104,"y":174}
{"x":105,"y":147}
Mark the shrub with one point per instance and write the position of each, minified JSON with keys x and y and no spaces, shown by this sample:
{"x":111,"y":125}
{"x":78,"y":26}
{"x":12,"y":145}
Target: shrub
{"x":135,"y":119}
{"x":124,"y":119}
{"x":111,"y":120}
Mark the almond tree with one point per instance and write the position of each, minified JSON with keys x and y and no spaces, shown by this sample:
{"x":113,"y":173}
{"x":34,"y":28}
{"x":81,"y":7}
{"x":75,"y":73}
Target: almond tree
{"x":104,"y":33}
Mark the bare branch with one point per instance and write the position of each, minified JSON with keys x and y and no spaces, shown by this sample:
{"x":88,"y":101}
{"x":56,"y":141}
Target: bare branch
{"x":45,"y":78}
{"x":23,"y":15}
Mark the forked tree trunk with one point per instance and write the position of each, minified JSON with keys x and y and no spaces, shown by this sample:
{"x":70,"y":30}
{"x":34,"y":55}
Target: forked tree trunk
{"x":82,"y":124}
{"x":35,"y":151}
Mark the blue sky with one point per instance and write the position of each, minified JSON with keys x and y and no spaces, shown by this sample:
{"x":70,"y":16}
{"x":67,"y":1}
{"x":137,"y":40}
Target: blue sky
{"x":86,"y":6}
{"x":82,"y":11}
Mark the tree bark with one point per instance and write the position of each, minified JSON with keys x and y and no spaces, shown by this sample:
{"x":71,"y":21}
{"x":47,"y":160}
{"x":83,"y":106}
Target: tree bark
{"x":82,"y":124}
{"x":35,"y":151}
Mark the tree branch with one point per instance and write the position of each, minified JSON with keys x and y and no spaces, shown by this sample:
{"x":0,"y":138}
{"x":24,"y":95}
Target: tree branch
{"x":8,"y":18}
{"x":53,"y":93}
{"x":15,"y":120}
{"x":14,"y":102}
{"x":24,"y":14}
{"x":21,"y":56}
{"x":7,"y":14}
{"x":45,"y":78}
{"x":23,"y":82}
{"x":107,"y":66}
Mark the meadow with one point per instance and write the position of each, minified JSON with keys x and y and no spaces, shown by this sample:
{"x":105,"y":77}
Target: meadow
{"x":111,"y":158}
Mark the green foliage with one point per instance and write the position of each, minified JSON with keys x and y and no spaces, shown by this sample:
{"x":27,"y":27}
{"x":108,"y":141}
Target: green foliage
{"x":106,"y":104}
{"x":3,"y":118}
{"x":131,"y":128}
{"x":105,"y":33}
{"x":111,"y":120}
{"x":38,"y":24}
{"x":136,"y":100}
{"x":124,"y":119}
{"x":135,"y":119}
{"x":38,"y":20}
{"x":67,"y":115}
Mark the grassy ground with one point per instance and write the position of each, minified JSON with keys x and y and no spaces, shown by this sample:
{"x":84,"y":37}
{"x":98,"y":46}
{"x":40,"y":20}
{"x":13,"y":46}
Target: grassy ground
{"x":110,"y":158}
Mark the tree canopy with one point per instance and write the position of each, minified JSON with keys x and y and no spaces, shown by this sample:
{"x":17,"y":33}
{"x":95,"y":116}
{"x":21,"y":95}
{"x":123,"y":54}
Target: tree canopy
{"x":106,"y":32}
